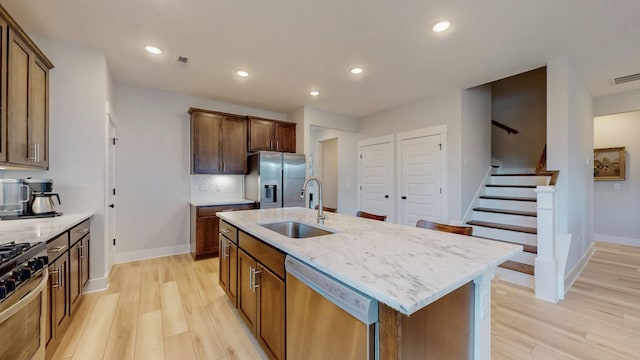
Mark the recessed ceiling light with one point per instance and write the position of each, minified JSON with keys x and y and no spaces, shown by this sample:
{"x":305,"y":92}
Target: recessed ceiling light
{"x":441,"y":26}
{"x":314,"y":93}
{"x":152,"y":49}
{"x":357,"y":70}
{"x":242,"y":73}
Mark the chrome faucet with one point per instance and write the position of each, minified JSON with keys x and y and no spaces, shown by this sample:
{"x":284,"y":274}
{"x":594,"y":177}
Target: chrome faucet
{"x":321,"y":215}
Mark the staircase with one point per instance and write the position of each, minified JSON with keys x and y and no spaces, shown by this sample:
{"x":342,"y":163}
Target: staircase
{"x":507,"y":212}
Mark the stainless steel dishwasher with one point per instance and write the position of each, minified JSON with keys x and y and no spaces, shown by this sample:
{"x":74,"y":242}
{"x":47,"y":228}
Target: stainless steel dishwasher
{"x":327,"y":319}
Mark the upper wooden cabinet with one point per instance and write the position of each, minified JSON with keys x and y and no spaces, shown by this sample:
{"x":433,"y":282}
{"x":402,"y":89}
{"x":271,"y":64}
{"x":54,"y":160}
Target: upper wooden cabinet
{"x":271,"y":135}
{"x":24,"y":119}
{"x":218,"y":142}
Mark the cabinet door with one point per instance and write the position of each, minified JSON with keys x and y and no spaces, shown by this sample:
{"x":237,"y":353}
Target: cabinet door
{"x":261,"y":134}
{"x":59,"y":278}
{"x":223,"y":263}
{"x":232,"y":289}
{"x":3,"y":87}
{"x":246,"y":291}
{"x":38,"y":113}
{"x":84,"y":262}
{"x":234,"y":145}
{"x":74,"y":274}
{"x":271,"y":313}
{"x":206,"y":138}
{"x":50,"y":330}
{"x":206,"y":237}
{"x":20,"y":150}
{"x":286,"y":137}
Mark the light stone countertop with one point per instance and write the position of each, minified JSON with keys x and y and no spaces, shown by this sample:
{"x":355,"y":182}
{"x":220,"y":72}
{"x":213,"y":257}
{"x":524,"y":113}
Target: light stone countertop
{"x":404,"y":267}
{"x":220,"y":202}
{"x":40,"y":229}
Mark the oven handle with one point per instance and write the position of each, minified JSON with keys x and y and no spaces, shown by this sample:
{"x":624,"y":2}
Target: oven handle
{"x":37,"y":291}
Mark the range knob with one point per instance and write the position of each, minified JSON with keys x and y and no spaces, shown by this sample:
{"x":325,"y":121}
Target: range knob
{"x":35,"y":264}
{"x":22,"y":274}
{"x":3,"y":292}
{"x":44,"y":259}
{"x":10,"y":285}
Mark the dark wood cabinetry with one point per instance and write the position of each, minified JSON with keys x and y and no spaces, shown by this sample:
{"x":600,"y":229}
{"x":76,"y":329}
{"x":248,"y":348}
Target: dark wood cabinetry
{"x":25,"y":71}
{"x":271,"y":135}
{"x":68,"y":275}
{"x":228,"y":274}
{"x":261,"y":292}
{"x":204,"y":228}
{"x":218,"y":143}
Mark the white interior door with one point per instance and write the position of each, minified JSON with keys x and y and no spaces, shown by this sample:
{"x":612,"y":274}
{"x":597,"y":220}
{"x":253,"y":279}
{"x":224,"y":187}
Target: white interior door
{"x":420,"y":179}
{"x":329,"y":172}
{"x":376,"y":177}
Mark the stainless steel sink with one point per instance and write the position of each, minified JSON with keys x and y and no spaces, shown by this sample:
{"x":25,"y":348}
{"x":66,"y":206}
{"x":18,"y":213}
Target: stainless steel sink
{"x":294,"y":229}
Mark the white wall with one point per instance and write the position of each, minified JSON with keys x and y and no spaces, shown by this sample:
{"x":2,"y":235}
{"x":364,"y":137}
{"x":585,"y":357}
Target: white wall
{"x":616,"y":103}
{"x":476,"y":141}
{"x":616,"y":206}
{"x":520,"y":102}
{"x":79,"y":87}
{"x":443,"y":109}
{"x":153,"y":168}
{"x":569,"y":148}
{"x":322,"y":125}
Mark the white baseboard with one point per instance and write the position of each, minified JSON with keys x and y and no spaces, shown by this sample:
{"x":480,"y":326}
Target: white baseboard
{"x":95,"y":285}
{"x":616,"y":239}
{"x":575,"y":272}
{"x":151,"y":253}
{"x":515,"y":277}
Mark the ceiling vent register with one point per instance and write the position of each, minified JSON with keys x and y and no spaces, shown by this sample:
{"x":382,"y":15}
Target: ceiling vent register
{"x":626,"y":79}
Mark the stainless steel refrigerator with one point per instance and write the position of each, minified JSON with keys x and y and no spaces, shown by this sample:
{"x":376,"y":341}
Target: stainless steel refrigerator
{"x":275,"y":179}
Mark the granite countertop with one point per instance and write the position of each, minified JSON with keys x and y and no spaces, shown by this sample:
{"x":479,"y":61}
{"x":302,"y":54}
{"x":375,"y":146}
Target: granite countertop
{"x":41,"y":229}
{"x":220,"y":202}
{"x":404,"y":267}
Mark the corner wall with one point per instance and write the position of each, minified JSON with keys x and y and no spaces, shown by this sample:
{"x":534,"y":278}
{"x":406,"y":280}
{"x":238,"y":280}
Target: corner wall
{"x":570,"y":150}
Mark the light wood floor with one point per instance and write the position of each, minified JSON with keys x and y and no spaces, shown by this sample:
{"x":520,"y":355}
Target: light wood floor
{"x":172,"y":308}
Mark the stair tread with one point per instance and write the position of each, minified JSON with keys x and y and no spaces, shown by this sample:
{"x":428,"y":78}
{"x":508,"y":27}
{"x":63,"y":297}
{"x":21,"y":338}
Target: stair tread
{"x":512,"y":186}
{"x":509,"y":212}
{"x":522,"y":229}
{"x":519,"y":174}
{"x":512,"y":198}
{"x":526,"y":248}
{"x":519,"y":267}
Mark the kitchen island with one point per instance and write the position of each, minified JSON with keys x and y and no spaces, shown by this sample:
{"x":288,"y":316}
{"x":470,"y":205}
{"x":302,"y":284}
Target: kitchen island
{"x":407,"y":270}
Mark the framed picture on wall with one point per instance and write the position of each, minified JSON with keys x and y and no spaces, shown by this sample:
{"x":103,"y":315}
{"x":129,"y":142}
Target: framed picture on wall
{"x":608,"y":163}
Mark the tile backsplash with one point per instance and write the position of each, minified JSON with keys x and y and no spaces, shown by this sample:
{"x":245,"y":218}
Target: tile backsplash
{"x":217,"y":187}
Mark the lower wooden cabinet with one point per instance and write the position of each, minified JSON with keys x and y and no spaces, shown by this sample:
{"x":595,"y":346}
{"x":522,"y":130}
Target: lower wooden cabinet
{"x":258,"y":274}
{"x":58,"y":297}
{"x":204,"y":228}
{"x":78,"y":270}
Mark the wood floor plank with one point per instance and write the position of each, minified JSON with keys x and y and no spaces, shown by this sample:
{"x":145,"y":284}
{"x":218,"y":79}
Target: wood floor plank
{"x":237,"y":341}
{"x":94,"y":336}
{"x":173,"y":318}
{"x":204,"y":335}
{"x":149,"y":338}
{"x":179,"y":347}
{"x":68,"y":345}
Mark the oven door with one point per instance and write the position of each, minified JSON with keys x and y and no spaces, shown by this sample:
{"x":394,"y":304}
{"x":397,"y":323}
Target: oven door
{"x":22,"y":320}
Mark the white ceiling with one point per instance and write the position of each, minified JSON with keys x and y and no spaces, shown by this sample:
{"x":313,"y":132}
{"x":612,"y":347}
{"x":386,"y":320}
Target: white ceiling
{"x":293,"y":46}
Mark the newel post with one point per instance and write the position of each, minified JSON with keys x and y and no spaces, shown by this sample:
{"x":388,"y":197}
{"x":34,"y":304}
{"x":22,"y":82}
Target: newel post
{"x":546,"y":263}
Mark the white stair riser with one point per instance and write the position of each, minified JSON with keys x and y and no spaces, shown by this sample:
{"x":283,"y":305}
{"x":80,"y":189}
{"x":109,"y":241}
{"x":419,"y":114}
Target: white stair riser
{"x":518,"y":180}
{"x":515,"y":277}
{"x":508,"y":204}
{"x":525,"y":258}
{"x":510,"y":191}
{"x":519,"y":220}
{"x":506,"y":235}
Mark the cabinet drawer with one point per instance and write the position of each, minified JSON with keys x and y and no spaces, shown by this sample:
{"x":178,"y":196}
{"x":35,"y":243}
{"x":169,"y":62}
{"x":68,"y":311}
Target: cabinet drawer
{"x":79,"y":232}
{"x":229,"y":231}
{"x":212,"y":210}
{"x":271,"y":258}
{"x":57,"y":246}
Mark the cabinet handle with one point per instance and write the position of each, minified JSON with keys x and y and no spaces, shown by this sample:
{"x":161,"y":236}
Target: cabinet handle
{"x":225,"y":230}
{"x":251,"y":278}
{"x":255,"y":284}
{"x":60,"y":277}
{"x":59,"y":248}
{"x":52,"y":274}
{"x":221,"y":247}
{"x":81,"y":252}
{"x":37,"y":153}
{"x":226,"y":250}
{"x":34,"y":152}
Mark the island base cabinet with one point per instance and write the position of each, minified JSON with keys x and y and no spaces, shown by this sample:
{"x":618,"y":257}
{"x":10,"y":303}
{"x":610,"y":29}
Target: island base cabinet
{"x":271,"y":310}
{"x":246,"y":291}
{"x":441,"y":330}
{"x":261,"y":304}
{"x":229,"y":269}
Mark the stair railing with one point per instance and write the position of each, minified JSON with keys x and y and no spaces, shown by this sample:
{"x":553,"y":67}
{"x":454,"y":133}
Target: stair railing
{"x":504,"y":127}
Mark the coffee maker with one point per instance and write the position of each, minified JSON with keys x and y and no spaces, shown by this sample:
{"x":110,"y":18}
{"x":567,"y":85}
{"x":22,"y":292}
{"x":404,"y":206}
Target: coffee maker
{"x":41,"y":202}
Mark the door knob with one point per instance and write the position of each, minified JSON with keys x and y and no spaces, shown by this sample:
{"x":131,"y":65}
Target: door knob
{"x":386,"y":196}
{"x":403,"y":197}
{"x":112,"y":206}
